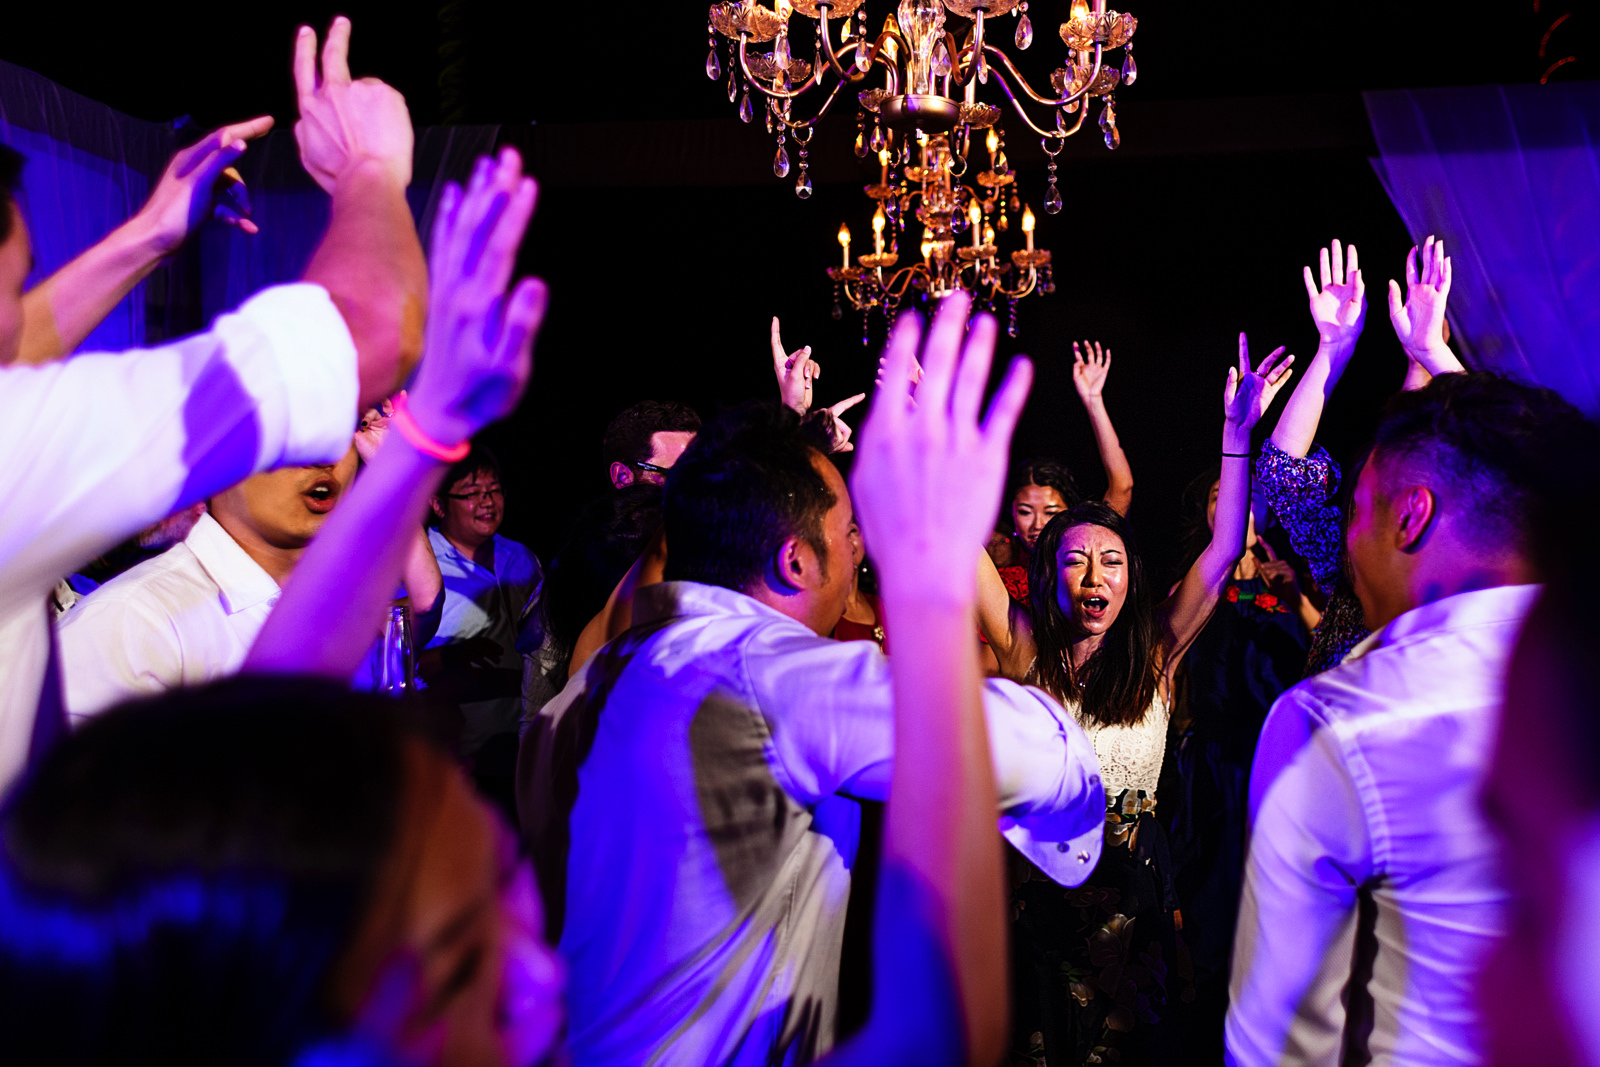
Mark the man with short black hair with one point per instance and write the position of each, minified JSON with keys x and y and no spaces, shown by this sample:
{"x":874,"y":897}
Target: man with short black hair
{"x":643,"y":443}
{"x":1371,"y":893}
{"x":491,"y":589}
{"x":690,"y":796}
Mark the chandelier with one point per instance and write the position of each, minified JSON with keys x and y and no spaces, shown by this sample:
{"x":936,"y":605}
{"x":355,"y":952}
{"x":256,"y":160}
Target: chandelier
{"x":919,"y":119}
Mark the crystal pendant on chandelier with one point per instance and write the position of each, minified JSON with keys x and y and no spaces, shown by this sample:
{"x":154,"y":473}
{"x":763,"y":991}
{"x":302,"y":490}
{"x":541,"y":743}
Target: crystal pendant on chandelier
{"x":878,"y":141}
{"x":780,"y":51}
{"x":780,"y":163}
{"x":713,"y":65}
{"x":861,"y":144}
{"x":1024,"y":33}
{"x":1130,"y":69}
{"x":1052,"y":200}
{"x":733,"y":87}
{"x":746,"y":112}
{"x":1108,"y":124}
{"x":802,"y":188}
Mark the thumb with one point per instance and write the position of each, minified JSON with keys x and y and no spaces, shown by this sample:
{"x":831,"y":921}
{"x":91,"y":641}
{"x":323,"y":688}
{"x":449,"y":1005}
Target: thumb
{"x":1397,"y":305}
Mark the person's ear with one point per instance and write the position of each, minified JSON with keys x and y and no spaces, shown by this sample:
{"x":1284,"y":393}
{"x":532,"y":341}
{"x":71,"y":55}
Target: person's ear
{"x":621,"y":475}
{"x":1415,"y":508}
{"x":438,"y":509}
{"x":794,"y":565}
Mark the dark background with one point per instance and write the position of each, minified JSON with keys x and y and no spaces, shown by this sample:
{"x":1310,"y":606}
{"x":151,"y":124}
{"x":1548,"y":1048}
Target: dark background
{"x":669,"y":246}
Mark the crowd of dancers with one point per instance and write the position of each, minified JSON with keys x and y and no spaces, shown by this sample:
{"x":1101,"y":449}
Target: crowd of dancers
{"x":719,"y":783}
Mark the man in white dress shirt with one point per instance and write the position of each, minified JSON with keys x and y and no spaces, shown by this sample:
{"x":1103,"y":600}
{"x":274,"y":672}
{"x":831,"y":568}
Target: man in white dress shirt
{"x":98,"y":447}
{"x":687,"y":795}
{"x":1372,"y":894}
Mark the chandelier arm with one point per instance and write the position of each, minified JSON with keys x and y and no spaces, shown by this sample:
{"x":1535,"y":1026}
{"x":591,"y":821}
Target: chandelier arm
{"x":805,"y":124}
{"x":816,"y":76}
{"x":905,"y":273}
{"x":827,"y":46}
{"x":1053,"y":135}
{"x":1022,"y":290}
{"x":778,"y":94}
{"x":957,"y":51}
{"x":1005,"y":61}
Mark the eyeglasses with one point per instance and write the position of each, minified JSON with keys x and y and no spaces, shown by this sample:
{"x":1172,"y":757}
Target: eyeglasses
{"x":479,"y":494}
{"x":650,"y":467}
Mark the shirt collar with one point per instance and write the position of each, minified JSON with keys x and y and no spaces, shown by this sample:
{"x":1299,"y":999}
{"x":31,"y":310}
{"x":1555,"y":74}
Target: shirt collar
{"x":1482,"y":607}
{"x":672,"y":600}
{"x":442,"y":545}
{"x":242,"y":581}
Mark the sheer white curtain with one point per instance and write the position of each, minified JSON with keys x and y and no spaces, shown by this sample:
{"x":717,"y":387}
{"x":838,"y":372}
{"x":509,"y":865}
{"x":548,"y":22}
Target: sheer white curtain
{"x":1509,"y":176}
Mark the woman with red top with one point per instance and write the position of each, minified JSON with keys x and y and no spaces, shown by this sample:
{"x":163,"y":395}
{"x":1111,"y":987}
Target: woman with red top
{"x":1041,"y":489}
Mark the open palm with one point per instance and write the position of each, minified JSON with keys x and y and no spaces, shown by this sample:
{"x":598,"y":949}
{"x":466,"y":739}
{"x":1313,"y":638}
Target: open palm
{"x":1339,"y":306}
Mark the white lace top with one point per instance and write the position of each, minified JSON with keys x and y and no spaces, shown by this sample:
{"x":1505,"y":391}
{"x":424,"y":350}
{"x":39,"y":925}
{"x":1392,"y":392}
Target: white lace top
{"x":1130,"y":756}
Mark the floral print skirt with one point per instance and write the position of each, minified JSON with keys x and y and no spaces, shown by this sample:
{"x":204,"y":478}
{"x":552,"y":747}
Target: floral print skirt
{"x":1099,"y":971}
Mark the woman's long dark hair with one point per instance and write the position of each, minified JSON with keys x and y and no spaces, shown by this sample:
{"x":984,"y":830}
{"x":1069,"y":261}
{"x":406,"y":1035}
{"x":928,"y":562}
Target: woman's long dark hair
{"x":1194,"y":533}
{"x":1117,"y":684}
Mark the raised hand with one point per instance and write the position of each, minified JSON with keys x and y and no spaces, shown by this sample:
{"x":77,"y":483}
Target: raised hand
{"x":838,"y":430}
{"x":1090,"y":367}
{"x":796,"y":372}
{"x":1418,"y":319}
{"x":345,"y":123}
{"x":1279,"y":576}
{"x":929,"y":473}
{"x":478,"y":351}
{"x":1249,"y":393}
{"x":373,"y":428}
{"x":1339,"y":307}
{"x":199,"y":183}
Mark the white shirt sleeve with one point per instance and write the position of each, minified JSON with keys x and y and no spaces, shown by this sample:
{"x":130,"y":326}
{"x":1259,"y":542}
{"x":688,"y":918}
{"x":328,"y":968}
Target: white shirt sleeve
{"x":829,"y":705}
{"x":1310,"y":854}
{"x":101,"y":446}
{"x":115,"y":648}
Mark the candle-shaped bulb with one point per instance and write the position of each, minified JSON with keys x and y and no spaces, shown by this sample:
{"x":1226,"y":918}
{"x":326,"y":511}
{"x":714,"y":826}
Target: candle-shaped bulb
{"x":844,"y":234}
{"x":1080,"y":9}
{"x":993,"y":142}
{"x":1028,"y":221}
{"x":879,"y":220}
{"x":975,"y":212}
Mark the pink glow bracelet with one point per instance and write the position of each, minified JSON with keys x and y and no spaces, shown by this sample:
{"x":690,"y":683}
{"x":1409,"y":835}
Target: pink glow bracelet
{"x":422,"y":442}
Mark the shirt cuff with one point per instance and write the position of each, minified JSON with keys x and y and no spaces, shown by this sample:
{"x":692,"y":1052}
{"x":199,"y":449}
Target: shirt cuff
{"x":1050,"y":845}
{"x":294,"y":354}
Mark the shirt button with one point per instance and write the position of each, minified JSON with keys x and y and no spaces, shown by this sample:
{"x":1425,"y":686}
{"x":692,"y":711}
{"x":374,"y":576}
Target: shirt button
{"x":1083,"y":857}
{"x":1061,"y":846}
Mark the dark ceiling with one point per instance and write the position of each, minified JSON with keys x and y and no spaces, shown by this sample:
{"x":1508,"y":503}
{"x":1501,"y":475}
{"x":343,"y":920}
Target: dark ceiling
{"x":669,"y":245}
{"x":478,"y":61}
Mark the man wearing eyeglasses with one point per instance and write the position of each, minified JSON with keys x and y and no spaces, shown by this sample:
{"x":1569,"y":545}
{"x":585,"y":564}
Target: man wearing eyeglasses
{"x":491,"y":584}
{"x":643,"y":443}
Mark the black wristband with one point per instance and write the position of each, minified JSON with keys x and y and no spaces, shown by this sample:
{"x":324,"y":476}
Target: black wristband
{"x":1236,"y":455}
